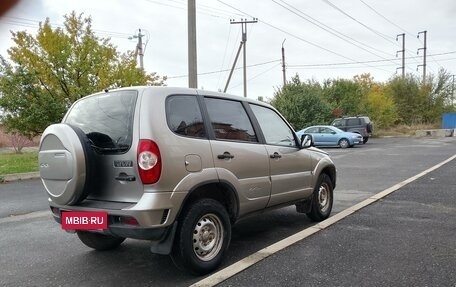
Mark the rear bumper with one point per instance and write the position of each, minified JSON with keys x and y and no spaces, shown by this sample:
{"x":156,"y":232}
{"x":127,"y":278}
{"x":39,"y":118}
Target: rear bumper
{"x":150,"y":218}
{"x":119,"y":229}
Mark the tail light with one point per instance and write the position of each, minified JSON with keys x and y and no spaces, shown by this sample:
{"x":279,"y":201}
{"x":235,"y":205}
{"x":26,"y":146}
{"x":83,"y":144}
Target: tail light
{"x":149,"y":161}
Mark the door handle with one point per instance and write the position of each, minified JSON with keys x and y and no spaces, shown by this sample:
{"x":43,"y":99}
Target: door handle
{"x":125,"y":177}
{"x":275,"y":155}
{"x":225,"y":155}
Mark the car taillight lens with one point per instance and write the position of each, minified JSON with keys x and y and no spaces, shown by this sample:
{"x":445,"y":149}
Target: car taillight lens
{"x":149,"y":161}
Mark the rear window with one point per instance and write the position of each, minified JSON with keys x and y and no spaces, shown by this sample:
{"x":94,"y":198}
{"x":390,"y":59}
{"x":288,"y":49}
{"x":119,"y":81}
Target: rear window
{"x":106,"y":119}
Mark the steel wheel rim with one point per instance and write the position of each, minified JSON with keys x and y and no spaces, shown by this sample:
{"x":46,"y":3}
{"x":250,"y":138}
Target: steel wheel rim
{"x":207,"y":237}
{"x":324,"y":197}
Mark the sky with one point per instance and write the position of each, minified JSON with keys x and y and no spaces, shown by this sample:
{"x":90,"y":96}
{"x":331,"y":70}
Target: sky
{"x":322,"y":39}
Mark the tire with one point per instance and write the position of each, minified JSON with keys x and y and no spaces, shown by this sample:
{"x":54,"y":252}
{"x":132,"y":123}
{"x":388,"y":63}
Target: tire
{"x":66,"y":164}
{"x":322,"y":199}
{"x":99,"y":241}
{"x":365,"y":139}
{"x":202,"y":237}
{"x":344,"y":143}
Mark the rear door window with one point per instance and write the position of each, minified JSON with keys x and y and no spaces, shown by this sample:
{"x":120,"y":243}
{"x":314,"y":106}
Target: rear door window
{"x":106,"y":119}
{"x":353,"y":122}
{"x":184,"y":116}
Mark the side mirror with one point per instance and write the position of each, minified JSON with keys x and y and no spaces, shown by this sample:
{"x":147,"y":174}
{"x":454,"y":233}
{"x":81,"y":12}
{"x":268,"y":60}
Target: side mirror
{"x":307,"y":141}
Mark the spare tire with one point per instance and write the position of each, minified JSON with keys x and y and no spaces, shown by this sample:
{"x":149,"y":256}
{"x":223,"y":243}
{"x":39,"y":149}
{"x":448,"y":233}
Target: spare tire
{"x":64,"y":160}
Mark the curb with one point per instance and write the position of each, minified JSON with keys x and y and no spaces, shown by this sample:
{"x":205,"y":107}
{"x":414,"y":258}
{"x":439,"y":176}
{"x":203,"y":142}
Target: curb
{"x":19,"y":176}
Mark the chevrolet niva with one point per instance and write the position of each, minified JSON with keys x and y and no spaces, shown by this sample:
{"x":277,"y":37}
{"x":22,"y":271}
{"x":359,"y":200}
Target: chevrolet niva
{"x":178,"y":167}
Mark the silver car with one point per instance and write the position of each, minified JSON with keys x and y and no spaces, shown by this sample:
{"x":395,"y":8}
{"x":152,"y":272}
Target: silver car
{"x":177,"y":167}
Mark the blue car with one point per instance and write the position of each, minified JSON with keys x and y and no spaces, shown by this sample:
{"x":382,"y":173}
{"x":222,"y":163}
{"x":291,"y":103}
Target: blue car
{"x":331,"y":136}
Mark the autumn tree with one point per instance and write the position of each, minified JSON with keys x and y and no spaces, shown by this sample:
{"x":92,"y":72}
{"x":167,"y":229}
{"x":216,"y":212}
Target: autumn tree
{"x":380,"y":106}
{"x":301,"y":103}
{"x":57,"y":66}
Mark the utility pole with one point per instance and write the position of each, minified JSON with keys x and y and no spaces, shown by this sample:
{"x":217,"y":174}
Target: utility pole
{"x":192,"y":61}
{"x":403,"y":53}
{"x":139,"y":48}
{"x":424,"y":54}
{"x":283,"y":64}
{"x":243,"y":45}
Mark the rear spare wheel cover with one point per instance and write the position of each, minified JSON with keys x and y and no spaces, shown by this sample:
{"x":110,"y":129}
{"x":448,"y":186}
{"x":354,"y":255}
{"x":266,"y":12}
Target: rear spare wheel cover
{"x":62,"y":164}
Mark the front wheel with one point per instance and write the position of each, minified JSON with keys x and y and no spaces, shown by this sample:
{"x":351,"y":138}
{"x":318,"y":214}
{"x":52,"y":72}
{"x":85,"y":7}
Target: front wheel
{"x":343,"y":143}
{"x":322,"y":199}
{"x":99,"y":241}
{"x":203,"y":235}
{"x":365,"y":139}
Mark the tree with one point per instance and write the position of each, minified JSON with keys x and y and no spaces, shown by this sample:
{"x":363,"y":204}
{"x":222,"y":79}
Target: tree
{"x":344,"y":95}
{"x":57,"y":67}
{"x":410,"y":103}
{"x":380,"y":106}
{"x":302,"y":104}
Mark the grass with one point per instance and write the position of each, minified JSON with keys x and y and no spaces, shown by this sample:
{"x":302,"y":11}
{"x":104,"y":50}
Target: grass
{"x":18,"y":163}
{"x":404,"y":130}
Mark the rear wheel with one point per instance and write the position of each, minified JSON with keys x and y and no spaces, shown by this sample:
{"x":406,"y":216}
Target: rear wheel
{"x":365,"y":139}
{"x":322,"y":199}
{"x":203,"y":235}
{"x":99,"y":241}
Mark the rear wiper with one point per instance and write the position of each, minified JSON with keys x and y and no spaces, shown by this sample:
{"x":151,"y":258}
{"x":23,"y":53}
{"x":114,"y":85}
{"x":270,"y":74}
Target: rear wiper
{"x":111,"y":149}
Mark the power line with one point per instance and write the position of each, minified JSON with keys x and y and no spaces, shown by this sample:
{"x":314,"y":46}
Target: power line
{"x":392,"y":23}
{"x":257,"y":75}
{"x":328,"y":29}
{"x":368,"y":62}
{"x":295,"y":36}
{"x":386,"y":19}
{"x":297,"y":66}
{"x":359,"y":22}
{"x":225,"y":70}
{"x":32,"y":23}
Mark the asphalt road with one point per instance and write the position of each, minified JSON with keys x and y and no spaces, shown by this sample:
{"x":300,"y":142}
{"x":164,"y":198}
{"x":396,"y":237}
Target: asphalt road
{"x":35,"y":252}
{"x":406,"y":239}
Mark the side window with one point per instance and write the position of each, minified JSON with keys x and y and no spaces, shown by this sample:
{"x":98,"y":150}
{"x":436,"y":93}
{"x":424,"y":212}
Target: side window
{"x":337,"y":123}
{"x":184,"y":116}
{"x":312,"y":131}
{"x":275,"y":129}
{"x":353,"y":122}
{"x":230,"y":120}
{"x":326,"y":131}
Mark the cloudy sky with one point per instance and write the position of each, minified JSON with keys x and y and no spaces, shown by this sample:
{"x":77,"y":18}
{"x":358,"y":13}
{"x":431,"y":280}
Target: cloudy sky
{"x":324,"y":38}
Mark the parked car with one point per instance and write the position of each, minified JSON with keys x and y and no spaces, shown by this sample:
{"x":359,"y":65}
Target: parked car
{"x":331,"y":136}
{"x":177,"y":167}
{"x":360,"y":125}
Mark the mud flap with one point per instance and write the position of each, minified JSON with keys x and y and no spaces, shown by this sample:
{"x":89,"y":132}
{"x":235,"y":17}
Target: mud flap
{"x":164,"y":245}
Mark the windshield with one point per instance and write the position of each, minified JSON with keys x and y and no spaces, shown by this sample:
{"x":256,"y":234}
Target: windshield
{"x":106,"y":119}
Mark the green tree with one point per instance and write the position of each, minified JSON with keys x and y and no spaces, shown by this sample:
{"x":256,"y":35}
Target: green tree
{"x":437,"y":91}
{"x":344,"y":95}
{"x":302,"y":104}
{"x":58,"y":66}
{"x":410,"y":103}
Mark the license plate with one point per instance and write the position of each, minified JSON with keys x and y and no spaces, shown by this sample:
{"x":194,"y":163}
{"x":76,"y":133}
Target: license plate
{"x":84,"y":220}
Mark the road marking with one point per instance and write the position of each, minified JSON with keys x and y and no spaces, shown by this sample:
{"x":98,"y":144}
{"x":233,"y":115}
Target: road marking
{"x":250,"y":260}
{"x":31,"y":215}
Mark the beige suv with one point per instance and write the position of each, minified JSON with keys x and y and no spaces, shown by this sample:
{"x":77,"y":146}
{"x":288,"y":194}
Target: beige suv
{"x":178,"y":167}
